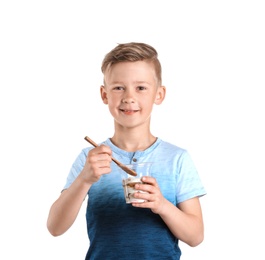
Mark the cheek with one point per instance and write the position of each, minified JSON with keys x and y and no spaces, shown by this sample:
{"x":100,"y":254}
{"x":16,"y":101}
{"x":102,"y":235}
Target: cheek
{"x":114,"y":99}
{"x":149,"y":101}
{"x":147,"y":106}
{"x":112,"y":103}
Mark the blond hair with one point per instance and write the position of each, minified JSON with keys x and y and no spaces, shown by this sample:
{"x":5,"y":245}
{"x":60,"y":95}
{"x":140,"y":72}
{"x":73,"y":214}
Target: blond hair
{"x":133,"y":51}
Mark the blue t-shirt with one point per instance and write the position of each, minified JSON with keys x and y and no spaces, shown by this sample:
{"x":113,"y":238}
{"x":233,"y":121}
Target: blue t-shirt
{"x":117,"y":230}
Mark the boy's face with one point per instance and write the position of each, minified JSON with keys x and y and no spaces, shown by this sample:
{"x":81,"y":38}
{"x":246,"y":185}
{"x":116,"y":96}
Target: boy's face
{"x":130,"y":91}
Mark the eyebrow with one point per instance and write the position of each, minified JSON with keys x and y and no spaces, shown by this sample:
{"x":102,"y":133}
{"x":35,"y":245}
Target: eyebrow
{"x":135,"y":82}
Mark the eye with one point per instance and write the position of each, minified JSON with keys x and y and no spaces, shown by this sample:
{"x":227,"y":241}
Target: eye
{"x":118,"y":88}
{"x":141,"y":88}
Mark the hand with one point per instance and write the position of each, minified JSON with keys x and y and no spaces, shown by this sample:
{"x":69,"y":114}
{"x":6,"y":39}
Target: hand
{"x":154,"y":198}
{"x":98,"y":162}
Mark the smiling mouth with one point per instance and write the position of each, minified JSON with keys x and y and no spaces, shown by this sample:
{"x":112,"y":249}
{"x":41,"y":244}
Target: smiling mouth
{"x":128,"y":112}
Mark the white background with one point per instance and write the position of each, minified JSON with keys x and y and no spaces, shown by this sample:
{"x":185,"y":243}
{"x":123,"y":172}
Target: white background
{"x":213,"y":59}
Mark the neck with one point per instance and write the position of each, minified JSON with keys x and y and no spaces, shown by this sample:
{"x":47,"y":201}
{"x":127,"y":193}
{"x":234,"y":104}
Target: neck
{"x":132,"y":142}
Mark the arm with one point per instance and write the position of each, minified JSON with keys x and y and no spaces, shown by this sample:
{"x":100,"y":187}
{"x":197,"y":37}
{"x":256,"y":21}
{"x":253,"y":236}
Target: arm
{"x":64,"y":210}
{"x":185,"y":221}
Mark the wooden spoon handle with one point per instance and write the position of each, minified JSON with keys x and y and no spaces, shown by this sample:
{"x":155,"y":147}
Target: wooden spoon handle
{"x":95,"y":145}
{"x":128,"y":170}
{"x":91,"y":141}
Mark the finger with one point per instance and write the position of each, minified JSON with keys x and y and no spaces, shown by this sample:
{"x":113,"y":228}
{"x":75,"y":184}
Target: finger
{"x":101,"y":150}
{"x":104,"y":149}
{"x":149,"y":180}
{"x":145,"y":204}
{"x":103,"y":157}
{"x":94,"y":157}
{"x":143,"y":196}
{"x":100,"y":167}
{"x":145,"y":187}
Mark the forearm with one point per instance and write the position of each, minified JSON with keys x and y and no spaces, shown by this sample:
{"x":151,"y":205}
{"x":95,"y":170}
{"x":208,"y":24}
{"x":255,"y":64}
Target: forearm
{"x":186,"y":227}
{"x":65,"y":209}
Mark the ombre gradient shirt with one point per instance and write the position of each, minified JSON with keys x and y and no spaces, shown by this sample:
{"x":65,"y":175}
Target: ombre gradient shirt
{"x":117,"y":230}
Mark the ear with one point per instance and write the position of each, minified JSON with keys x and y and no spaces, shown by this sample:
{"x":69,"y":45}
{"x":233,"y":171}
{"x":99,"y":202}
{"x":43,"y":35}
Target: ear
{"x":160,"y":95}
{"x":103,"y":94}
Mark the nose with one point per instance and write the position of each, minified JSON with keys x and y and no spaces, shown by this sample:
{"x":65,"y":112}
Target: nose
{"x":128,"y":98}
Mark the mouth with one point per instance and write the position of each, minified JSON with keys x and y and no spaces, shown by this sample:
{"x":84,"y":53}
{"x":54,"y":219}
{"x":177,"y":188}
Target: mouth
{"x":128,"y":111}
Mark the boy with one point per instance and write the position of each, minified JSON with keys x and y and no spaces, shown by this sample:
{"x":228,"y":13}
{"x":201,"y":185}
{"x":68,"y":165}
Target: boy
{"x":171,"y":211}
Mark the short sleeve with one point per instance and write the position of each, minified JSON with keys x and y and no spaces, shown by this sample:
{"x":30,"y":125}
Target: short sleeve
{"x":76,"y":168}
{"x":189,"y":184}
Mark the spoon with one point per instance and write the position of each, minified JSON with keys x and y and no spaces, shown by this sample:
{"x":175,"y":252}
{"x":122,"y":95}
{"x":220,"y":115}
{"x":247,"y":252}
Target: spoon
{"x":125,"y":168}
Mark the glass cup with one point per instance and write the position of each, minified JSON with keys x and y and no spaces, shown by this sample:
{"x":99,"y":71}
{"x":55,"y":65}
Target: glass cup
{"x":129,"y":181}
